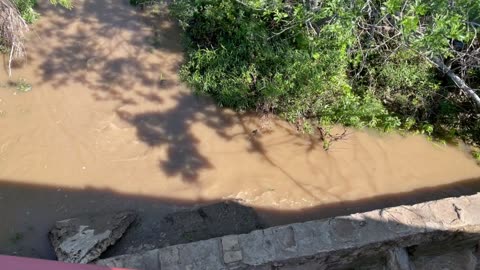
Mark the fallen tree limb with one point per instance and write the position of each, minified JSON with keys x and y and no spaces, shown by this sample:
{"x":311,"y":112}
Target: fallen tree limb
{"x":458,"y":81}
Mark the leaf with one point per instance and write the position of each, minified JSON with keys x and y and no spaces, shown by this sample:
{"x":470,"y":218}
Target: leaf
{"x":410,"y":24}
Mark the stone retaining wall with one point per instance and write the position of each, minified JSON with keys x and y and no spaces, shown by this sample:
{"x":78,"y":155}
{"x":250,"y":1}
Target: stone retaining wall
{"x":387,"y":238}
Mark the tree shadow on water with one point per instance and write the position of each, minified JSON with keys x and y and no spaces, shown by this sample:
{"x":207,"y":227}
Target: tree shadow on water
{"x":31,"y":210}
{"x":131,"y":59}
{"x":107,"y":46}
{"x":172,"y":129}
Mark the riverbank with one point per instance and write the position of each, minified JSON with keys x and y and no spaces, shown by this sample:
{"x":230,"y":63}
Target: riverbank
{"x":108,"y":126}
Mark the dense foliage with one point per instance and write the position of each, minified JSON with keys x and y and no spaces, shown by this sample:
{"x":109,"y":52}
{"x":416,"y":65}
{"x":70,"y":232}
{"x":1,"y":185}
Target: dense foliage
{"x":26,"y":9}
{"x":366,"y":63}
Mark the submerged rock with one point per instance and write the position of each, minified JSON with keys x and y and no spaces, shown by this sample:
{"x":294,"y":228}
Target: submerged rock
{"x":83,"y":239}
{"x":188,"y":225}
{"x":209,"y":221}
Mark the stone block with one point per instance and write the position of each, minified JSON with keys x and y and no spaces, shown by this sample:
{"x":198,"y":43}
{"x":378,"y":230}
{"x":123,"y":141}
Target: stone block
{"x":201,"y":255}
{"x":230,"y":243}
{"x":312,"y":237}
{"x":256,"y":248}
{"x":169,"y":256}
{"x":232,"y":256}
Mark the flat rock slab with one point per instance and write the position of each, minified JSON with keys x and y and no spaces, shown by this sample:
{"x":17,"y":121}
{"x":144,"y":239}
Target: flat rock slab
{"x":83,"y":239}
{"x":209,"y":221}
{"x":188,"y":225}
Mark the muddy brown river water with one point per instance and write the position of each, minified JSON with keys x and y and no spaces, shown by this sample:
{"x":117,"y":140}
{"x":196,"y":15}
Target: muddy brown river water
{"x":109,"y":126}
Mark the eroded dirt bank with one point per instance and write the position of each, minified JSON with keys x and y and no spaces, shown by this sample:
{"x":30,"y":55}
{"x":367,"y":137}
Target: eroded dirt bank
{"x":108,"y":126}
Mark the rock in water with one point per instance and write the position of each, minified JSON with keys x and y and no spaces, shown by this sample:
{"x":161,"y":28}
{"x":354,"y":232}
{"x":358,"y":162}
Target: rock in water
{"x":209,"y":221}
{"x":83,"y":239}
{"x":188,"y":225}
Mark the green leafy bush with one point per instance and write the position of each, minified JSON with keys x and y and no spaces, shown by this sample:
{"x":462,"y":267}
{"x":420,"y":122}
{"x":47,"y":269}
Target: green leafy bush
{"x":244,"y":58}
{"x":139,"y":2}
{"x":357,"y":63}
{"x":26,"y":9}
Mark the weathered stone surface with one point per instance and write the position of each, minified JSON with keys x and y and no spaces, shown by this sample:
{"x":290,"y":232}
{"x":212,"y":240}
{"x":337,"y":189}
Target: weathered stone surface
{"x":256,"y":248}
{"x":359,"y":241}
{"x":209,"y":221}
{"x":230,"y":243}
{"x":397,"y":259}
{"x":188,"y":225}
{"x":202,"y":255}
{"x":232,"y":256}
{"x":145,"y":260}
{"x":458,"y":260}
{"x":83,"y":239}
{"x":231,"y":249}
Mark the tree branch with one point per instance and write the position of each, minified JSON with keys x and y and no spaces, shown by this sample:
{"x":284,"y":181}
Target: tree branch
{"x":457,"y":80}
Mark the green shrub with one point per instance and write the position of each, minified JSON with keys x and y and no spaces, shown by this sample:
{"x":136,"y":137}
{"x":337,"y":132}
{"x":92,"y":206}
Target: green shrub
{"x":245,"y":59}
{"x":141,"y":2}
{"x":26,"y":8}
{"x":336,"y":64}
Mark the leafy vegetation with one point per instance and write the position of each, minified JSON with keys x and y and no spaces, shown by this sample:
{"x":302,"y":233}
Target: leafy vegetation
{"x":19,"y":85}
{"x":26,"y":9}
{"x":22,"y":85}
{"x":145,"y":3}
{"x":476,"y":155}
{"x":389,"y":64}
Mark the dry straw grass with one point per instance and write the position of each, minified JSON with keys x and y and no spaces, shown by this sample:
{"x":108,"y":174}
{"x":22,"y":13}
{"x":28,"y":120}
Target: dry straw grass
{"x":13,"y":29}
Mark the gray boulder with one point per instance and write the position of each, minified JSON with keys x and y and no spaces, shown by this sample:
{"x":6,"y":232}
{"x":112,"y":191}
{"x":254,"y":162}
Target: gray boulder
{"x":83,"y":239}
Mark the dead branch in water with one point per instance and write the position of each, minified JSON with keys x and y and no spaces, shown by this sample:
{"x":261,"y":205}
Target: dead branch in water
{"x":13,"y":29}
{"x":328,"y":138}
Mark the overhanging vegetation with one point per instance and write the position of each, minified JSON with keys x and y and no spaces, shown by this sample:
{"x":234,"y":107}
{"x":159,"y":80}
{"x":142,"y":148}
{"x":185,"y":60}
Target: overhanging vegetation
{"x":392,"y":64}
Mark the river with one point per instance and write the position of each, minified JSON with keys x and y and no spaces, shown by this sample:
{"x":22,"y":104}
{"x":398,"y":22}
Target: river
{"x":109,"y":126}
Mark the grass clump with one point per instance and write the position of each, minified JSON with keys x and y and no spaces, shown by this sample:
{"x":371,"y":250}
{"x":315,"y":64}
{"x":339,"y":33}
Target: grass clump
{"x":22,"y":85}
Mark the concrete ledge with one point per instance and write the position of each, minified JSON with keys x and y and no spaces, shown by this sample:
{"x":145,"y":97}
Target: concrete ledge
{"x":21,"y":263}
{"x":327,"y":243}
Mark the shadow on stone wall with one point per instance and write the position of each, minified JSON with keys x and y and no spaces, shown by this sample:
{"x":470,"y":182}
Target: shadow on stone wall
{"x":29,"y":211}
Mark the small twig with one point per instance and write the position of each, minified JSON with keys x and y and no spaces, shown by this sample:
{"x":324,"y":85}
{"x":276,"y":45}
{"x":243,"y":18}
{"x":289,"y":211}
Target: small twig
{"x":327,"y":138}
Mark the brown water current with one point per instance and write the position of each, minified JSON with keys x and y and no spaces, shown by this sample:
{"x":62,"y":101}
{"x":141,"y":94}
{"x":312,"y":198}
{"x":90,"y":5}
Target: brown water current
{"x":109,"y":126}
